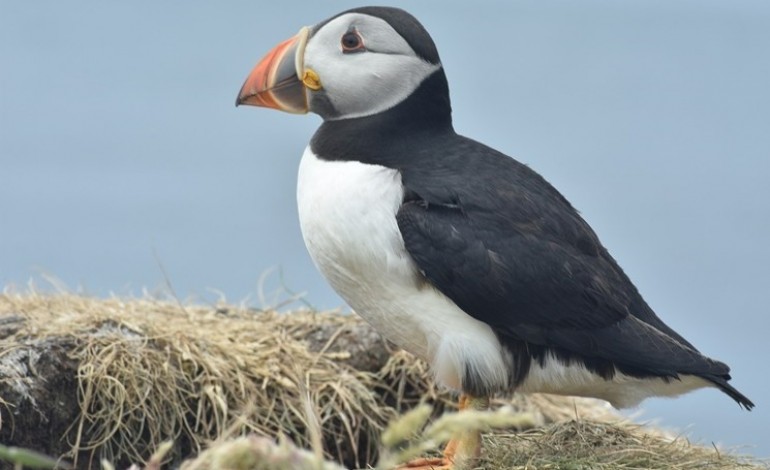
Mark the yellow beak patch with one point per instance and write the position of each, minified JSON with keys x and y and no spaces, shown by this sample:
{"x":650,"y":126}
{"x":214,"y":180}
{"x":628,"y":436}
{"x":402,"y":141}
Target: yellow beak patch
{"x":311,"y":80}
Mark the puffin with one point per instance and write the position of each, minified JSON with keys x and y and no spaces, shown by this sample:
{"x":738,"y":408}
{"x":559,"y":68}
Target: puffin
{"x":450,"y":249}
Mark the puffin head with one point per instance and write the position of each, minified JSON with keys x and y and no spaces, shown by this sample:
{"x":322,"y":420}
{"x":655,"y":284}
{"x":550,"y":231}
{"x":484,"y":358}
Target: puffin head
{"x":358,"y":63}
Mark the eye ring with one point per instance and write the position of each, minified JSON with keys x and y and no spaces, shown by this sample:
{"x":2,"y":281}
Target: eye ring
{"x":352,"y":42}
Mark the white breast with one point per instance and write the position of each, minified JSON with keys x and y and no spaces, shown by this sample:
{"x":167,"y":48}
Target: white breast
{"x":347,"y":213}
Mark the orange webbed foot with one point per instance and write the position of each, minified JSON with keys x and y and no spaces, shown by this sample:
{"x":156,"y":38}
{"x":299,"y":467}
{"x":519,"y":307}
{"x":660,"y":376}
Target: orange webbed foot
{"x":460,"y":453}
{"x":428,"y":463}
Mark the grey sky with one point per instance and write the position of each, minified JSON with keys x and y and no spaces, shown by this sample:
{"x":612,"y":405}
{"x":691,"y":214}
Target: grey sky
{"x":119,"y":143}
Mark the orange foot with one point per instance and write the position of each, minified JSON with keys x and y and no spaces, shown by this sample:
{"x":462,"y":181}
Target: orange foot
{"x":460,"y":453}
{"x":428,"y":463}
{"x":469,"y":450}
{"x":434,"y":463}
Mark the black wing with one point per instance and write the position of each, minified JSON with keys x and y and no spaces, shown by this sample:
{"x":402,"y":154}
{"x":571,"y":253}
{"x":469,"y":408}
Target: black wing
{"x":508,"y":249}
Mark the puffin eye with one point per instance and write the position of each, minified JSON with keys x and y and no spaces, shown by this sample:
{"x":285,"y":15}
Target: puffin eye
{"x":352,"y":42}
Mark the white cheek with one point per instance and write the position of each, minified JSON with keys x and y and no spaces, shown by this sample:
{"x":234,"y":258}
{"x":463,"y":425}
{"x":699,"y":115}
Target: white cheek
{"x":364,"y":83}
{"x":367,"y":83}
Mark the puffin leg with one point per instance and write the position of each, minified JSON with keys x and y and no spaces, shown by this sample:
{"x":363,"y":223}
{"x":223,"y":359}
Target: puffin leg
{"x":460,"y":452}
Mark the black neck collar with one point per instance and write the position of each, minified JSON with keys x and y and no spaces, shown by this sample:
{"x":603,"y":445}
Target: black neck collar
{"x":386,"y":138}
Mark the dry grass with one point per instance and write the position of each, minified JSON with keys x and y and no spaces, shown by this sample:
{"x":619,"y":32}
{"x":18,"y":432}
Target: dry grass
{"x":150,"y":371}
{"x":566,"y":445}
{"x":588,"y":444}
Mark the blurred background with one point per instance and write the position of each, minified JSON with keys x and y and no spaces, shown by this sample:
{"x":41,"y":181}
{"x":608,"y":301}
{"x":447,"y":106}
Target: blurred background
{"x":125,"y":167}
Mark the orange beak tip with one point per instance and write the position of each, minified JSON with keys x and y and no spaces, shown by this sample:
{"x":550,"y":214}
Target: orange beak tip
{"x":274,"y":82}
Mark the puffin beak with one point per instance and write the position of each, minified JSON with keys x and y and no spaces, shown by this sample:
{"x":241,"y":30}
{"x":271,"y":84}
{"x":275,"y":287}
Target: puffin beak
{"x":276,"y":82}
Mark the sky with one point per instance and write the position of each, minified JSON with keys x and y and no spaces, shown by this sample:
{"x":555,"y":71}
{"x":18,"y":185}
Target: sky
{"x":125,"y":167}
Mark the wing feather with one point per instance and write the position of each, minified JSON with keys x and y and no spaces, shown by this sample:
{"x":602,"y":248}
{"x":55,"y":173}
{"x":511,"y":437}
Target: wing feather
{"x":509,"y":250}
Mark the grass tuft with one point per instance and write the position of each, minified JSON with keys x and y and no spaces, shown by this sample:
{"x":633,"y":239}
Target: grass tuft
{"x":150,"y":371}
{"x":588,"y":444}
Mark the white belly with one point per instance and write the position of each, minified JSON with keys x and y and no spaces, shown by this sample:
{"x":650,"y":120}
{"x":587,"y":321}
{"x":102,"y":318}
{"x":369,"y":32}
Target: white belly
{"x":347,"y":214}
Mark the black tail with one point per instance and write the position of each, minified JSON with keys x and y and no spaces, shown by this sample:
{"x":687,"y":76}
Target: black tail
{"x":721,"y":382}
